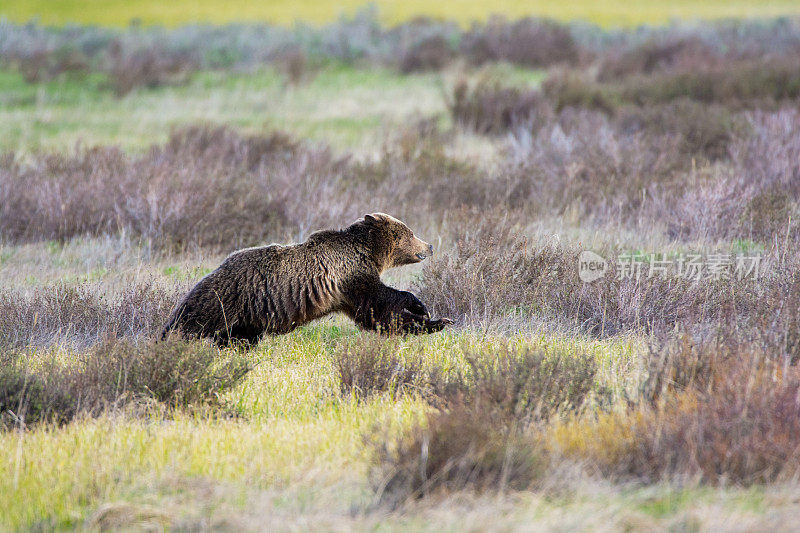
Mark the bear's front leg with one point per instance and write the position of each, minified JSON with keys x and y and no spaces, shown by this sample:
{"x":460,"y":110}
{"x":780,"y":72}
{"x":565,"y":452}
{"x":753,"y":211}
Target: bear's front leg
{"x":407,"y":314}
{"x":408,"y":322}
{"x":391,"y":311}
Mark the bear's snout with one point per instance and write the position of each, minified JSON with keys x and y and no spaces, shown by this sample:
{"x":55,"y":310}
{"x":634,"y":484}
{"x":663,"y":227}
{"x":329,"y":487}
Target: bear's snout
{"x":426,"y":250}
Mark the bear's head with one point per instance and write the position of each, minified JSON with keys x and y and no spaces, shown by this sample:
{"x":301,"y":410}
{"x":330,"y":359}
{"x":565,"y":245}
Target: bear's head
{"x":404,"y":248}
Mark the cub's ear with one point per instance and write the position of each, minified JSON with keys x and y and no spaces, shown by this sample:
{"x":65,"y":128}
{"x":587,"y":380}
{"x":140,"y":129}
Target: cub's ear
{"x":370,"y":218}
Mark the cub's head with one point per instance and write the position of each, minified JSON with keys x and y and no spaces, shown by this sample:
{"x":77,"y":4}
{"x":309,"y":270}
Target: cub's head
{"x":403,"y":246}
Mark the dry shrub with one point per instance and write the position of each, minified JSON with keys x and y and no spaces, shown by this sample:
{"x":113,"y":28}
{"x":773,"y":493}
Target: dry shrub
{"x":766,"y":165}
{"x":653,"y":56}
{"x":774,"y":323}
{"x":432,"y":53}
{"x":292,"y":62}
{"x":60,"y":197}
{"x":758,"y":197}
{"x":26,"y":399}
{"x":733,"y":417}
{"x":175,"y":373}
{"x":420,"y":44}
{"x":43,"y":64}
{"x":651,"y":165}
{"x":717,"y":409}
{"x":705,"y":131}
{"x":115,"y":374}
{"x":131,"y":67}
{"x":570,"y":88}
{"x":744,"y":84}
{"x":496,"y":278}
{"x":588,"y":162}
{"x":419,"y":181}
{"x":373,"y":365}
{"x":458,"y":449}
{"x":206,"y":187}
{"x":524,"y":385}
{"x":81,"y":315}
{"x":480,"y":441}
{"x":489,"y":108}
{"x":212,"y":188}
{"x":530,"y":42}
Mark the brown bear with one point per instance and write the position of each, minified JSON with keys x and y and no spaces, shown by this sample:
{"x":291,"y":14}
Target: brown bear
{"x":273,"y":289}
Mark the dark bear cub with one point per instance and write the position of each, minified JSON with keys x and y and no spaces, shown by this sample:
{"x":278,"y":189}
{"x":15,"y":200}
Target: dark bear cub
{"x":273,"y":289}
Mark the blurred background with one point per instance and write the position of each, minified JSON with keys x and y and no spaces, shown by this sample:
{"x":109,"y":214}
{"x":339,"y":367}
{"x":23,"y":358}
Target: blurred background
{"x":88,"y":52}
{"x":286,"y":12}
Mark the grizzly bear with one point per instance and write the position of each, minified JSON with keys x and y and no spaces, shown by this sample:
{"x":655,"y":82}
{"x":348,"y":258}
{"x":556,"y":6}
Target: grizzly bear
{"x":274,"y":289}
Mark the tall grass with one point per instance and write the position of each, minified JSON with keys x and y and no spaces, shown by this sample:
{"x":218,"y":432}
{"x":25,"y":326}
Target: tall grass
{"x":480,"y":440}
{"x":82,"y":315}
{"x":111,"y":376}
{"x":717,"y":412}
{"x":209,"y":187}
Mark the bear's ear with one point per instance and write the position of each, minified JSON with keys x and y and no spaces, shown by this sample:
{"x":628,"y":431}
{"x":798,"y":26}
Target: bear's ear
{"x":370,"y":219}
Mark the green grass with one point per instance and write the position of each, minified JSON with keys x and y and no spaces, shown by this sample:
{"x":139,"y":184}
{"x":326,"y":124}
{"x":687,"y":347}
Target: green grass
{"x":58,"y":114}
{"x":350,"y":108}
{"x":297,"y":445}
{"x":245,"y":473}
{"x":294,"y":429}
{"x":286,"y":12}
{"x":294,"y":437}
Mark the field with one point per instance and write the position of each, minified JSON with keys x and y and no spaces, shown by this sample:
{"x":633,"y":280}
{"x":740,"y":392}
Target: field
{"x":285,"y":12}
{"x":134,"y":160}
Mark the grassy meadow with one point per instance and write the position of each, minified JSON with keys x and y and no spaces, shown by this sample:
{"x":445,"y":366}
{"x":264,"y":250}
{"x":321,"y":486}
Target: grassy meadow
{"x":132,"y":161}
{"x":348,"y":108}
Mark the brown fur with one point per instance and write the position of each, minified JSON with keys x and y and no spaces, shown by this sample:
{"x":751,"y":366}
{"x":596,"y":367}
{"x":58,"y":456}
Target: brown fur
{"x":273,"y":289}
